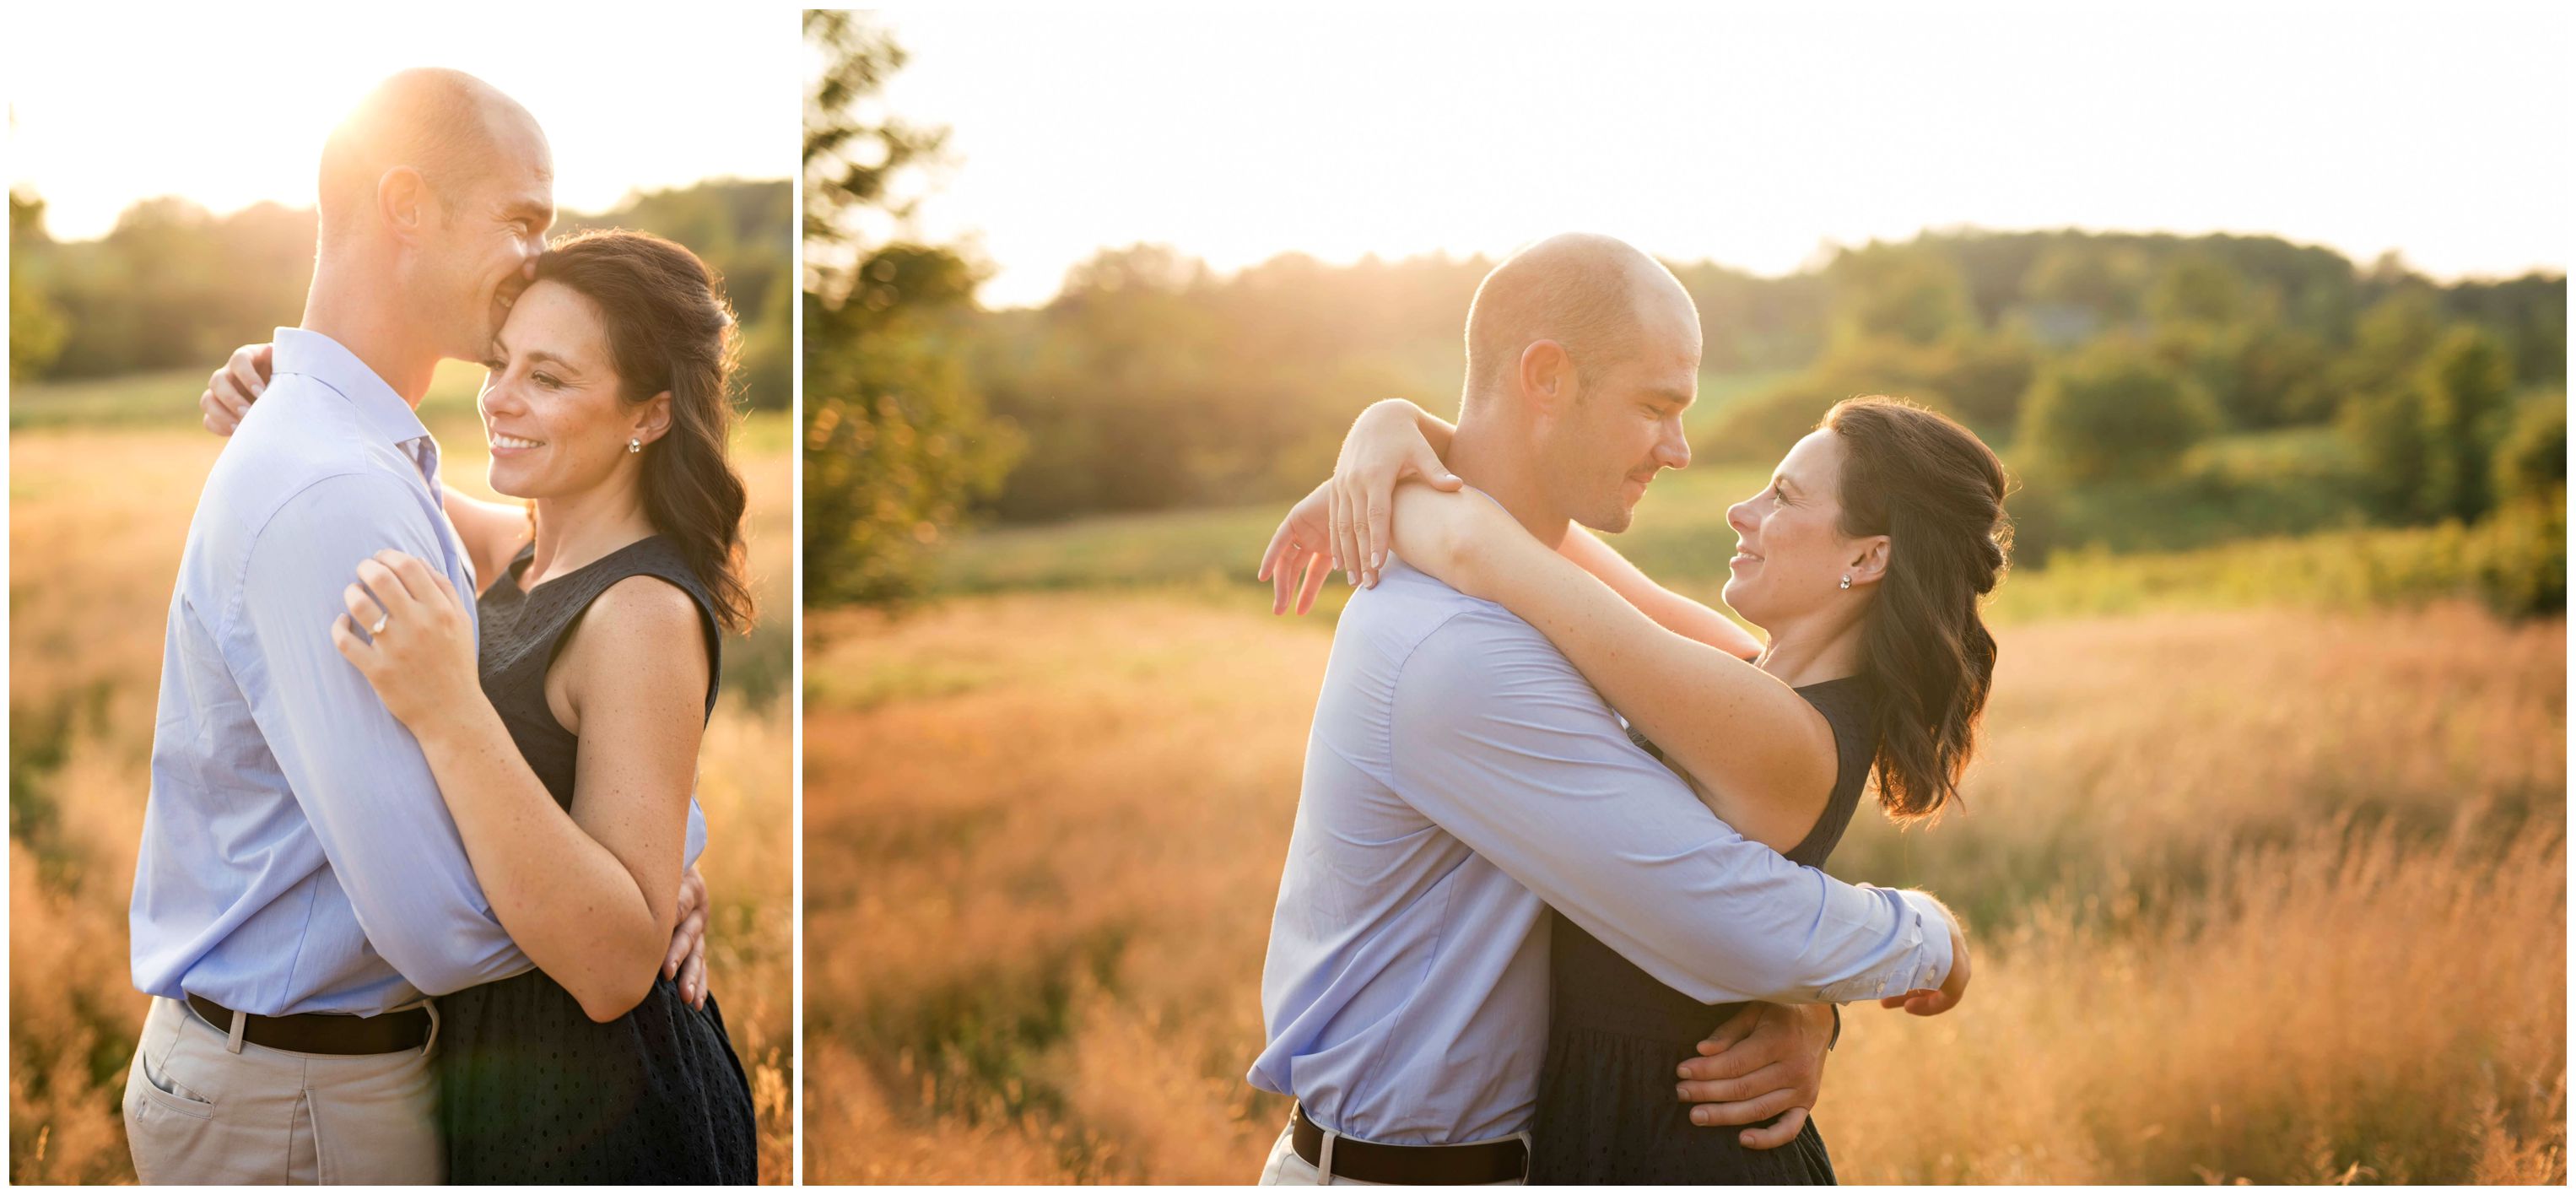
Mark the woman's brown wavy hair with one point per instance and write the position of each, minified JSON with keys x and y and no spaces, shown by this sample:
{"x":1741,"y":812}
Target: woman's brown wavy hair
{"x":1937,"y":493}
{"x":669,"y":328}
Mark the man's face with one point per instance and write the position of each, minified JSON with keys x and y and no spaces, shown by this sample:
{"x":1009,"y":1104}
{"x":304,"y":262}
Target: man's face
{"x":1624,"y":424}
{"x":477,"y":253}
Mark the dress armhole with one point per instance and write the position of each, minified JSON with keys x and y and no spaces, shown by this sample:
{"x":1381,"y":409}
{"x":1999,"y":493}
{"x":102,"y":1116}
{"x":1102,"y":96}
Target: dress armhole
{"x":1851,"y":774}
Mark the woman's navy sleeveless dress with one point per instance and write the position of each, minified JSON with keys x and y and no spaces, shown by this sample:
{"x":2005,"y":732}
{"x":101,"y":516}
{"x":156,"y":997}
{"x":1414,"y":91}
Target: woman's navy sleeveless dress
{"x":531,"y":1090}
{"x":1606,"y":1108}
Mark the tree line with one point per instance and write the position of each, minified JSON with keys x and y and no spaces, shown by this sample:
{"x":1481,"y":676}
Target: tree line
{"x":2148,"y":390}
{"x":1150,"y":382}
{"x":174,"y":286}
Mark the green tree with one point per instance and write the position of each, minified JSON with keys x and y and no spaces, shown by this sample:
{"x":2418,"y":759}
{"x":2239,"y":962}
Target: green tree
{"x":896,"y":440}
{"x":1913,"y":294}
{"x":2115,"y":412}
{"x":2200,"y":288}
{"x":36,"y":326}
{"x":2531,"y":460}
{"x":2465,"y":388}
{"x":2389,"y":342}
{"x":2386,"y":430}
{"x":2081,"y":284}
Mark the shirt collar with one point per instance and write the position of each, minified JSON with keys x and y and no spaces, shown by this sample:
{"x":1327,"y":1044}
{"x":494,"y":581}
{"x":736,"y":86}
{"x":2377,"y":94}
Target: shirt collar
{"x":322,"y":359}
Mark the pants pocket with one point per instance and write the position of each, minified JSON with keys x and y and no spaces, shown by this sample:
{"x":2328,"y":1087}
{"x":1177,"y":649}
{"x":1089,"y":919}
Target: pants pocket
{"x":160,"y":1090}
{"x":170,"y":1126}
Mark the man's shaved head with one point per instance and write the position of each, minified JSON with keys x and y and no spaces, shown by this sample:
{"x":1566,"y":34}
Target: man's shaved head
{"x":1591,"y":294}
{"x":446,"y":124}
{"x":1582,"y":354}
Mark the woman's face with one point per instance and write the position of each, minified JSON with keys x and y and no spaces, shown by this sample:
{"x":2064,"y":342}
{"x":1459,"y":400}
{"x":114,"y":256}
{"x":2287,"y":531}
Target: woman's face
{"x":1791,"y":555}
{"x":552,"y":409}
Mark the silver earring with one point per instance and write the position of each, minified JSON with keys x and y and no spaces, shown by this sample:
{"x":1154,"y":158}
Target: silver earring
{"x":1846,"y":580}
{"x":634,"y":445}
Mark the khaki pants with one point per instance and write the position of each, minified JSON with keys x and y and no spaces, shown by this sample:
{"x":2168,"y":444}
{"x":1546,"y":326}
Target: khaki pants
{"x":200,"y":1108}
{"x":1286,"y":1169}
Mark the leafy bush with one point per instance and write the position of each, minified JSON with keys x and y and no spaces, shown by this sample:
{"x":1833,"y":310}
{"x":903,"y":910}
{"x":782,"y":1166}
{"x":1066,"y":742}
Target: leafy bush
{"x":2115,"y":412}
{"x":2429,"y":439}
{"x":2531,"y":461}
{"x":2514,"y":563}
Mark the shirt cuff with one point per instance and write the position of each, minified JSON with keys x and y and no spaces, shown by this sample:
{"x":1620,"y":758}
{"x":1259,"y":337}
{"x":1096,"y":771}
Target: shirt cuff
{"x":1932,"y":969}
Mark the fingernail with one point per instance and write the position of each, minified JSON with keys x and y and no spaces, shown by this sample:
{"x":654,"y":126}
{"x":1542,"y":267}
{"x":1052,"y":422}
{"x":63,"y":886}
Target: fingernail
{"x":1699,"y":1116}
{"x":1681,"y":1090}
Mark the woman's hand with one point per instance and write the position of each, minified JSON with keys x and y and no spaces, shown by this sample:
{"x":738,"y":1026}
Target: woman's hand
{"x":1924,"y":1002}
{"x":1299,"y":556}
{"x":418,"y":654}
{"x":1385,"y":446}
{"x":1345,"y":524}
{"x":231,"y":389}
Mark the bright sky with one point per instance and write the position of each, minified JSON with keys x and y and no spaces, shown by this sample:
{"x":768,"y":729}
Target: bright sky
{"x":1750,"y":135}
{"x":110,"y":105}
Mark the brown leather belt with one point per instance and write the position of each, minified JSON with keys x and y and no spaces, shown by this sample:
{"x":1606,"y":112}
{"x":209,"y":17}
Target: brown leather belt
{"x":324,"y":1033}
{"x":1504,"y":1161}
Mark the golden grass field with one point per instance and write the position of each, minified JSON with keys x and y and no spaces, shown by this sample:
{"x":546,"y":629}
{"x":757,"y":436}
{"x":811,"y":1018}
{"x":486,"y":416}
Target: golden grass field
{"x":97,"y":518}
{"x":2274,"y":894}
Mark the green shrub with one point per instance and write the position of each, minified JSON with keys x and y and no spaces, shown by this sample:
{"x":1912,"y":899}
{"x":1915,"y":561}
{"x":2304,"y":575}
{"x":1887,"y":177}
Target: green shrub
{"x":2114,"y":411}
{"x":2531,"y":460}
{"x":2515,"y":563}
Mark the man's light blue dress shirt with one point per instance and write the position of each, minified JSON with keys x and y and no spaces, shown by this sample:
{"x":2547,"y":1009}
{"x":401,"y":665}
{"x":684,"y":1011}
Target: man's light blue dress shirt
{"x":297,"y":856}
{"x":1462,"y":777}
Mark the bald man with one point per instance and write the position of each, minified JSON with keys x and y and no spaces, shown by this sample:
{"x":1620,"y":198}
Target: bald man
{"x":301,"y":892}
{"x":1461,"y":778}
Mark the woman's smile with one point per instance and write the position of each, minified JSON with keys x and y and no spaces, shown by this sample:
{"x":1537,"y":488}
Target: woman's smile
{"x":506,"y":445}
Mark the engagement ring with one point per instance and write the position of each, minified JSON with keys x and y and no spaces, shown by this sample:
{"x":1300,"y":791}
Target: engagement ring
{"x":379,"y":628}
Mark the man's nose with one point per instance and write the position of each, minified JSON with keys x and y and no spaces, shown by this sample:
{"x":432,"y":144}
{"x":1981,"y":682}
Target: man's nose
{"x":1674,"y":451}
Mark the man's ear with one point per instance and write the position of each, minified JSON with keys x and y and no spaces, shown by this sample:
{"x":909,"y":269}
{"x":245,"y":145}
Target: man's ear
{"x":404,"y":203}
{"x":653,"y":419}
{"x":1546,"y":377}
{"x":1869,"y":564}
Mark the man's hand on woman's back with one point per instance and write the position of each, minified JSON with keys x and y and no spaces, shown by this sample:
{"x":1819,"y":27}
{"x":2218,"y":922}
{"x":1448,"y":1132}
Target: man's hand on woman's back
{"x":1767,"y":1060}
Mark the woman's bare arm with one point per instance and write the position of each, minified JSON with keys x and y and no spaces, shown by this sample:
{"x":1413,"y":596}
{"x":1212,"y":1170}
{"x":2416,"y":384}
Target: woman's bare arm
{"x":589,"y":895}
{"x":1760,"y":756}
{"x":1374,"y":469}
{"x":492,"y":532}
{"x":1674,"y":612}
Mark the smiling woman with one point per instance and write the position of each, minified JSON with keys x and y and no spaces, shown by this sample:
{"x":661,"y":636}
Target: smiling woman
{"x":426,"y":773}
{"x":643,"y":369}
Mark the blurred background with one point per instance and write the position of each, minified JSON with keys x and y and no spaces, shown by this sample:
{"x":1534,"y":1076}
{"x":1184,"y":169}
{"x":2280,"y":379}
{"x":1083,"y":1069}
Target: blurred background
{"x":161,"y":213}
{"x":2264,"y":307}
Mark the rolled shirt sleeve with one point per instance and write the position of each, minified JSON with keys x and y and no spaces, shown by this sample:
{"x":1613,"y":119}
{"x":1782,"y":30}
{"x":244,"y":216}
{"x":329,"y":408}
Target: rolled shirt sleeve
{"x":356,"y":772}
{"x":1501,"y":742}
